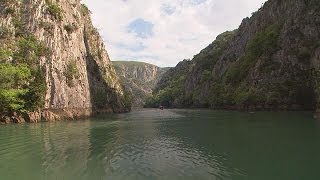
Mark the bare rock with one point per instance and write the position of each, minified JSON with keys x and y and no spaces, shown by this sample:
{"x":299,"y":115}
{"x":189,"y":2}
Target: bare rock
{"x":49,"y":116}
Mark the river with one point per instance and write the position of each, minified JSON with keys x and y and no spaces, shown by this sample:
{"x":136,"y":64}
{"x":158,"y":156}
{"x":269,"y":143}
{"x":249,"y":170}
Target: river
{"x":169,"y":144}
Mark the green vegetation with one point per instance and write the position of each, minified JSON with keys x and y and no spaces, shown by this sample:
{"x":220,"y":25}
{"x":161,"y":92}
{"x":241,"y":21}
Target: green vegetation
{"x":22,"y":83}
{"x":100,"y":98}
{"x":29,"y":51}
{"x":18,"y":25}
{"x":47,"y":27}
{"x":10,"y":10}
{"x":13,"y":80}
{"x":264,"y":43}
{"x":70,"y":28}
{"x":127,"y":99}
{"x":71,"y":72}
{"x":207,"y":58}
{"x":55,"y":11}
{"x":34,"y":98}
{"x":172,"y":91}
{"x":85,"y":10}
{"x":5,"y":55}
{"x":231,"y":89}
{"x":4,"y":32}
{"x":129,"y":63}
{"x":170,"y":95}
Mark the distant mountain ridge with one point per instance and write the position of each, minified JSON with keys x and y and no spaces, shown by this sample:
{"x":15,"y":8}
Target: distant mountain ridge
{"x":139,"y":78}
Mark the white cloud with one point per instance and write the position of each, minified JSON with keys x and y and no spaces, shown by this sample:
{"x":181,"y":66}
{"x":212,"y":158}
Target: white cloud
{"x":181,"y":27}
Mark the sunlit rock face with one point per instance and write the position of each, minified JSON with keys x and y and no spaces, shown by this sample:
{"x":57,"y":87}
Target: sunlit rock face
{"x":78,"y":73}
{"x":139,"y":78}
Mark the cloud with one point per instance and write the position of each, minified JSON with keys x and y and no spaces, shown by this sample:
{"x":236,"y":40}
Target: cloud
{"x":141,"y":28}
{"x":164,"y":32}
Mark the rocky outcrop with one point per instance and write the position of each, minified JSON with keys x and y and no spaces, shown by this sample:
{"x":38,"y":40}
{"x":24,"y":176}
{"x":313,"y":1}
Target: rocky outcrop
{"x":270,"y":62}
{"x":139,"y":78}
{"x":78,"y":75}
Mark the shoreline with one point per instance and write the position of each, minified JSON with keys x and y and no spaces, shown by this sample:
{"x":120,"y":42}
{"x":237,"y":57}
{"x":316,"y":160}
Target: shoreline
{"x":53,"y":115}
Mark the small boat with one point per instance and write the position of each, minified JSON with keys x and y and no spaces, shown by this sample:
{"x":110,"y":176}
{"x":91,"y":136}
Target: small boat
{"x":161,"y":107}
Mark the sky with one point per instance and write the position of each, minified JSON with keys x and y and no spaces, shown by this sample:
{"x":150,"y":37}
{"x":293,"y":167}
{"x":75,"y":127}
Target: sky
{"x":164,"y":32}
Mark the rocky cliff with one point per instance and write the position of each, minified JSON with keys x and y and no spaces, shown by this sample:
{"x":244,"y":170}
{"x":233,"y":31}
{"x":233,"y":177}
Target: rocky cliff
{"x":139,"y":78}
{"x":270,"y":62}
{"x":59,"y":60}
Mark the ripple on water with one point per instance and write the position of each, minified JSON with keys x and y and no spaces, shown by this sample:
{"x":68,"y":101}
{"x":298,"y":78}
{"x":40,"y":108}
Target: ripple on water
{"x":155,"y":144}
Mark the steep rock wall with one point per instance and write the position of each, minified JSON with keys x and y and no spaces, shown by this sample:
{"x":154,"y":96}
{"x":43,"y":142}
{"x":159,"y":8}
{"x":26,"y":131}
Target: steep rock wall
{"x":78,"y":74}
{"x":270,"y":62}
{"x":139,"y":79}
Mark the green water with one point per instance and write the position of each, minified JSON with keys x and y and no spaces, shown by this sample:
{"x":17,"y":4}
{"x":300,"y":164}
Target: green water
{"x":169,"y":144}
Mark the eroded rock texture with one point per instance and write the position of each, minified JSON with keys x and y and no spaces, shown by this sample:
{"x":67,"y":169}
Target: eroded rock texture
{"x":79,"y":77}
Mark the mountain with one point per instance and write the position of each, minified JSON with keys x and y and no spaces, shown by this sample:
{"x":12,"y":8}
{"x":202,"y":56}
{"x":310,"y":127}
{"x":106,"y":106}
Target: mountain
{"x":139,"y":78}
{"x":272,"y":61}
{"x":53,"y":63}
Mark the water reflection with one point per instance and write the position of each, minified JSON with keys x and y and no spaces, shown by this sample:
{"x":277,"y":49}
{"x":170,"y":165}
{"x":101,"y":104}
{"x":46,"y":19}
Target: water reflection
{"x":170,"y":144}
{"x":66,"y":148}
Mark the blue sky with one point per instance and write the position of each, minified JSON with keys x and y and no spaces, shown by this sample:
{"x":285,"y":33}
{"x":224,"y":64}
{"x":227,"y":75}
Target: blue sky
{"x":141,"y":28}
{"x":164,"y":32}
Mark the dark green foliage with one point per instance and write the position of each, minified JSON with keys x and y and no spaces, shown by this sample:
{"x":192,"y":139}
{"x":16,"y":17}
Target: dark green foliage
{"x":217,"y":95}
{"x":13,"y":83}
{"x":18,"y":25}
{"x":263,"y":43}
{"x":22,"y":83}
{"x":29,"y":51}
{"x":85,"y":10}
{"x":169,"y":96}
{"x":127,"y":99}
{"x":4,"y":32}
{"x":228,"y":90}
{"x":245,"y":96}
{"x":55,"y":11}
{"x":70,"y":28}
{"x":47,"y":27}
{"x":207,"y":58}
{"x":5,"y":55}
{"x":152,"y":102}
{"x":261,"y":72}
{"x":100,"y":98}
{"x":239,"y":70}
{"x":304,"y":54}
{"x":9,"y":10}
{"x":14,"y":76}
{"x":71,"y":72}
{"x":34,"y":98}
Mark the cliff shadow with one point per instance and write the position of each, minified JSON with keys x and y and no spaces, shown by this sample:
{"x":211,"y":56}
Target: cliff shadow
{"x":103,"y":97}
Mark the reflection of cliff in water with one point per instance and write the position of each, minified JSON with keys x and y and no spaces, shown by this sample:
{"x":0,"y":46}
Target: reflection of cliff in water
{"x":66,"y":148}
{"x":119,"y":147}
{"x":152,"y":141}
{"x":244,"y":145}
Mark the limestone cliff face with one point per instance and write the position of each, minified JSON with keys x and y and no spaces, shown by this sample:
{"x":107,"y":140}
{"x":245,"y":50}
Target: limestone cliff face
{"x":78,"y":72}
{"x":139,"y":78}
{"x":270,"y":62}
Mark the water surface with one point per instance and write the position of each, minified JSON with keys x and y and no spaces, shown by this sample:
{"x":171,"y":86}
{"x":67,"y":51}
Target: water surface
{"x":170,"y":144}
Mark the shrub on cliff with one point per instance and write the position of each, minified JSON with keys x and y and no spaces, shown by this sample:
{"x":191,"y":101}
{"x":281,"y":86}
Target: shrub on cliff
{"x":55,"y":11}
{"x":22,"y":82}
{"x":264,"y":42}
{"x":71,"y":72}
{"x":70,"y":28}
{"x":13,"y":85}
